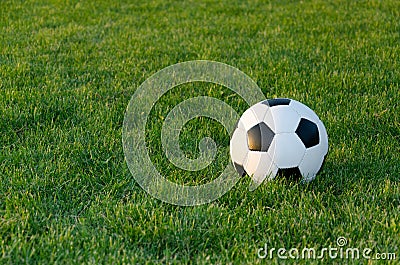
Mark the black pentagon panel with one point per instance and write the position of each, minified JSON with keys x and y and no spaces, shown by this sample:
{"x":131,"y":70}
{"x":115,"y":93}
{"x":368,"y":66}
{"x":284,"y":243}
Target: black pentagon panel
{"x":308,"y":133}
{"x":254,"y":138}
{"x":240,"y":169}
{"x":276,"y":102}
{"x":260,"y":137}
{"x":267,"y":135}
{"x":290,"y":173}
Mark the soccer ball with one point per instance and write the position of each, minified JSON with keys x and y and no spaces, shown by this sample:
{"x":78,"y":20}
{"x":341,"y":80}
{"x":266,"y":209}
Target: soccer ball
{"x":279,"y":136}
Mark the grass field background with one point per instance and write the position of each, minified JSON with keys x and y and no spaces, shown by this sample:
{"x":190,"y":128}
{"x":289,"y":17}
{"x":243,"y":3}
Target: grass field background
{"x":69,"y":68}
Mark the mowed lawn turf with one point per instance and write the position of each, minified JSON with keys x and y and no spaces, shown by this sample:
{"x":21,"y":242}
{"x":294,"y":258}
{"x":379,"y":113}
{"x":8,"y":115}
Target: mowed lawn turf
{"x":69,"y":68}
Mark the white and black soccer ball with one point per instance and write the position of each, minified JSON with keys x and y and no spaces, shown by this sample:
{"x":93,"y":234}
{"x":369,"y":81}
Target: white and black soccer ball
{"x":279,"y":136}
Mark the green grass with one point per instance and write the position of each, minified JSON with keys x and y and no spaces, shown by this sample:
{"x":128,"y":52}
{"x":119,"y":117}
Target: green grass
{"x":69,"y":68}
